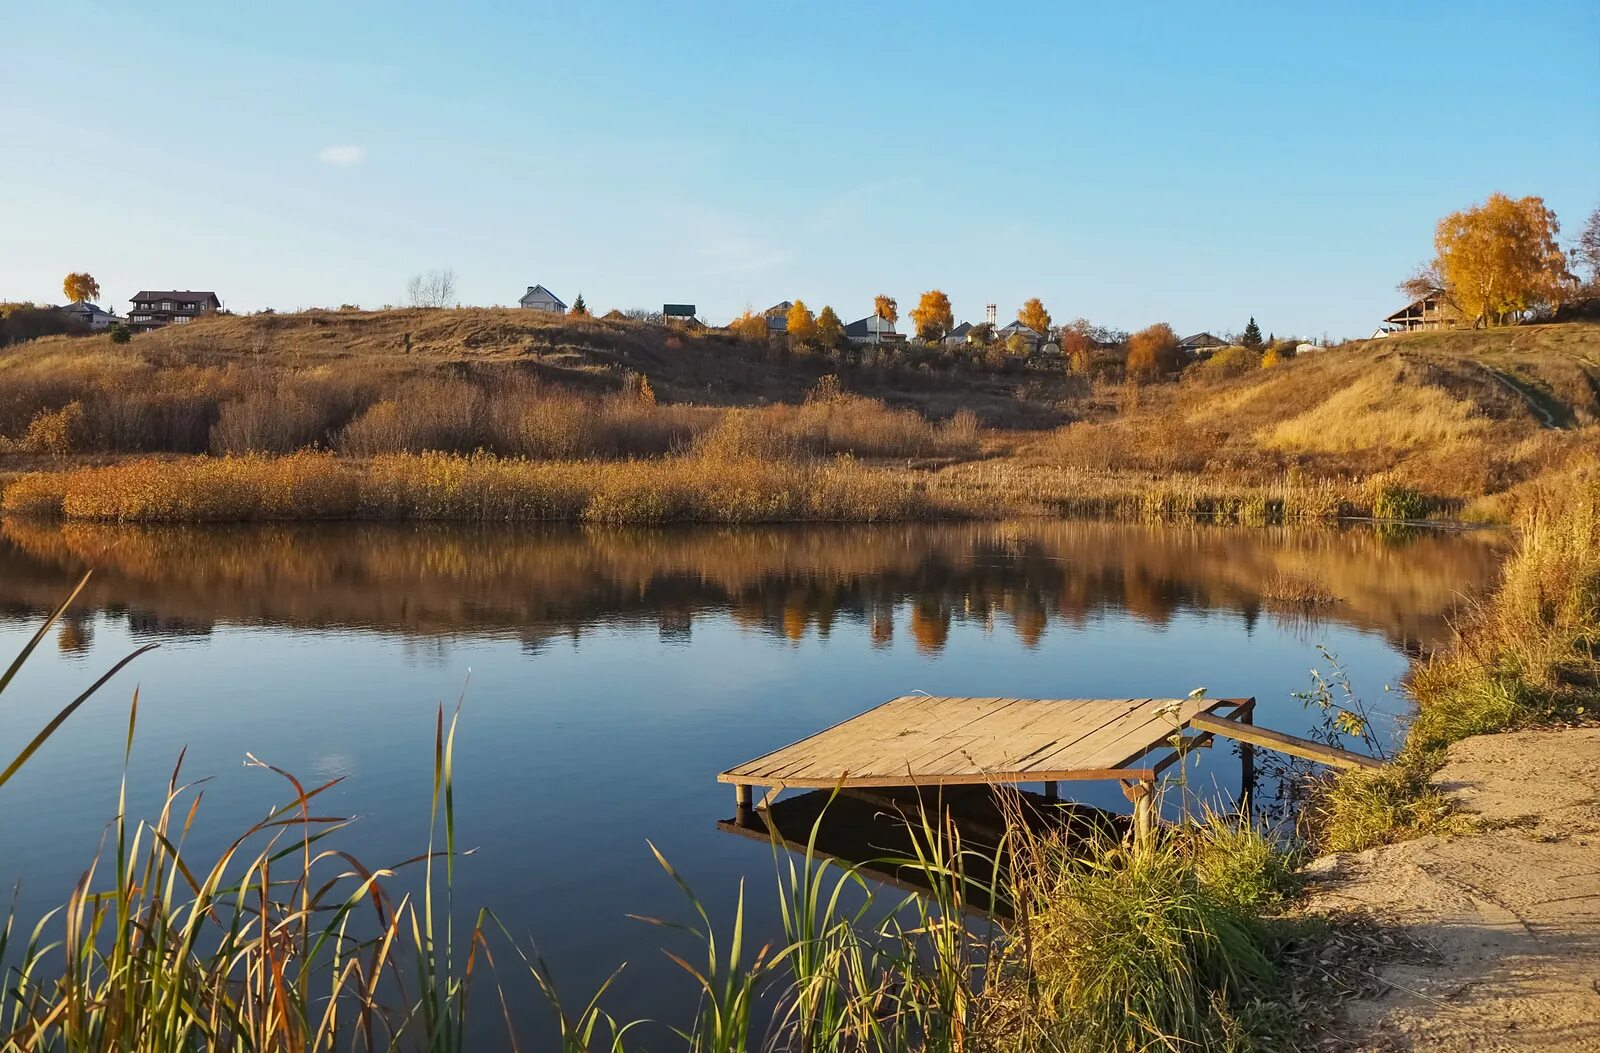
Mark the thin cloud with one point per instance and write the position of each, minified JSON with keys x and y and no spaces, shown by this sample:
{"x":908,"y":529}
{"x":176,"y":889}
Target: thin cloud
{"x":342,"y":156}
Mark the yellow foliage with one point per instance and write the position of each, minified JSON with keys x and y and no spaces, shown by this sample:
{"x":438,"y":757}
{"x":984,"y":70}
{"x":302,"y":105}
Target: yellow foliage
{"x":1034,"y":316}
{"x":932,"y":316}
{"x":1152,"y":352}
{"x":802,"y":326}
{"x":830,"y":331}
{"x":884,"y":306}
{"x":1501,"y":258}
{"x":750,"y":326}
{"x":52,"y":433}
{"x":80,"y":286}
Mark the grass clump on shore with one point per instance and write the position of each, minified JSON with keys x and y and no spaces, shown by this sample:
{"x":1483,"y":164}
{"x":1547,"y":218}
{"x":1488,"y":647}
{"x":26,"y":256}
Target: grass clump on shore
{"x":1530,"y":653}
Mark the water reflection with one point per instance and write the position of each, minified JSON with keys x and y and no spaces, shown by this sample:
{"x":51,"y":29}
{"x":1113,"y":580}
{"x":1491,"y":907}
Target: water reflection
{"x":885,"y":834}
{"x":434,"y":581}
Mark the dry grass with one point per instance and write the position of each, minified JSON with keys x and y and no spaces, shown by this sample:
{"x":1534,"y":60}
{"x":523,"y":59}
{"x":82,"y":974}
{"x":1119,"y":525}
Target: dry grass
{"x":1528,"y":654}
{"x":312,"y":486}
{"x":1379,"y":411}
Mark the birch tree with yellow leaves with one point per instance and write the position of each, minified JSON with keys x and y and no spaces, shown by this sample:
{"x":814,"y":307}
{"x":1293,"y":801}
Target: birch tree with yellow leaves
{"x":1499,"y":259}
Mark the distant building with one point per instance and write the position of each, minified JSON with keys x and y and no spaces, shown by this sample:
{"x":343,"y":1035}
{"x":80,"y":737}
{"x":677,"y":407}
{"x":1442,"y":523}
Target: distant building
{"x":538,"y":298}
{"x":158,"y":308}
{"x":680,"y":314}
{"x":1005,"y":333}
{"x":1306,"y":348}
{"x":90,"y":315}
{"x":960,"y":336}
{"x":873,"y":329}
{"x":1201,"y":345}
{"x":1428,"y":312}
{"x":777,"y":317}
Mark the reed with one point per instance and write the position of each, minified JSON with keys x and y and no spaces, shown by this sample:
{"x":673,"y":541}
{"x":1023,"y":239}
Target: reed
{"x":1525,"y":654}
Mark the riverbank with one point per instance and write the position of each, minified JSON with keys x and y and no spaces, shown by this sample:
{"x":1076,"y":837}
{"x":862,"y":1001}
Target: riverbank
{"x":705,"y":486}
{"x":1479,"y":839}
{"x":1509,"y":914}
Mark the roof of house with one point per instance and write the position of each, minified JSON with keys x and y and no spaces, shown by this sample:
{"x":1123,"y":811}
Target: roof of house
{"x":83,"y":307}
{"x":174,"y":294}
{"x":533,"y":289}
{"x":1018,"y":327}
{"x":677,"y":310}
{"x":1419,"y":302}
{"x":1201,"y":340}
{"x":959,"y":331}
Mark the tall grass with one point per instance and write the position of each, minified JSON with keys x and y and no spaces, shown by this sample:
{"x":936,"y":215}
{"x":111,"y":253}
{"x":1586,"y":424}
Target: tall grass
{"x":479,"y":487}
{"x":1529,"y":652}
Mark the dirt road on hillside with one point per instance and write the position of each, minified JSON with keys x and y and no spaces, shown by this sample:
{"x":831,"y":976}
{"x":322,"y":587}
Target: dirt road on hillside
{"x":1512,"y":912}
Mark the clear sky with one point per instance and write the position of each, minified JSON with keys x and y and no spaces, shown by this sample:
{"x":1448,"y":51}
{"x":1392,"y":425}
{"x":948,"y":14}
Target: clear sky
{"x":1193,"y":163}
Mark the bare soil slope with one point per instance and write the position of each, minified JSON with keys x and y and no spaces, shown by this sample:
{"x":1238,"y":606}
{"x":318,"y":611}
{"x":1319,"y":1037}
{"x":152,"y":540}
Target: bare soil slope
{"x":1513,"y":912}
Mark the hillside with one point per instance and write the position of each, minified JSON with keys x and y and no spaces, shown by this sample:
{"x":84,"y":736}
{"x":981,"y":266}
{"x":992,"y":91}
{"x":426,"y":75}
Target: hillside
{"x":709,"y":367}
{"x":1461,"y":420}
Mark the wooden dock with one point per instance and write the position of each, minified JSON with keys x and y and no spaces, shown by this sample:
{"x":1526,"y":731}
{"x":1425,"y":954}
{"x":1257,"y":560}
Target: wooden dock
{"x":924,"y":740}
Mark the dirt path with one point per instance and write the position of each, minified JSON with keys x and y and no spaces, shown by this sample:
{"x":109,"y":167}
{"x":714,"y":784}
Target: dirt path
{"x":1513,"y":912}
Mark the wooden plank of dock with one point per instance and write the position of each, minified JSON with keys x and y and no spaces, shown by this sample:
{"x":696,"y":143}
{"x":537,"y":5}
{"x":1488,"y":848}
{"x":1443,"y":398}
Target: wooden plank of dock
{"x":1277,"y":740}
{"x":926,"y":740}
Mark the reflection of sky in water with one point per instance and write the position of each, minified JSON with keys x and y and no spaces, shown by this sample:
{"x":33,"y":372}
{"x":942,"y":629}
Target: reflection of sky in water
{"x":607,"y":726}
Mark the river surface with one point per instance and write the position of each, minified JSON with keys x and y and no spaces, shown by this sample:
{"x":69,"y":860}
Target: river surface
{"x":606,"y":676}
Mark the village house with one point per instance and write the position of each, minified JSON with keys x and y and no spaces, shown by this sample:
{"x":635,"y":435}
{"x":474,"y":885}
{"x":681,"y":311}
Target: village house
{"x":1200,"y":345}
{"x":538,"y":298}
{"x":777,"y":317}
{"x":91,"y":315}
{"x":959,"y":337}
{"x":1432,"y":311}
{"x":154,"y":309}
{"x":1005,"y":333}
{"x":873,"y":329}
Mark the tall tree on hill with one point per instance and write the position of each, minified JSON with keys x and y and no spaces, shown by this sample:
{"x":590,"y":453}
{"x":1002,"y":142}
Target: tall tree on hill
{"x":1252,"y":336}
{"x":1034,"y":316}
{"x":579,"y":309}
{"x":1501,"y":258}
{"x":885,"y":307}
{"x":80,"y":287}
{"x":1586,"y":251}
{"x":932,"y":316}
{"x":802,"y":326}
{"x":830,"y":331}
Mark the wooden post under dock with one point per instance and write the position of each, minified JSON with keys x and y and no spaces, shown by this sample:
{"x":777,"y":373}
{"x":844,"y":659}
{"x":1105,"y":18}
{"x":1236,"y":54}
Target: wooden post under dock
{"x":924,"y":740}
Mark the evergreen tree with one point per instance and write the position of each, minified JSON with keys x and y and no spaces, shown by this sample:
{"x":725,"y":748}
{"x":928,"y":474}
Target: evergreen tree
{"x":1252,"y":336}
{"x":581,"y":309}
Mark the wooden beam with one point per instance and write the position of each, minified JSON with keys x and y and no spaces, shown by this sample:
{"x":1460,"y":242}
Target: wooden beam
{"x":1277,"y":740}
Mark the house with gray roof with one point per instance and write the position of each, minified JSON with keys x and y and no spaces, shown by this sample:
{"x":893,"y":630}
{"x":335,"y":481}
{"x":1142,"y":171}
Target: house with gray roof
{"x":156,"y":308}
{"x":538,"y":298}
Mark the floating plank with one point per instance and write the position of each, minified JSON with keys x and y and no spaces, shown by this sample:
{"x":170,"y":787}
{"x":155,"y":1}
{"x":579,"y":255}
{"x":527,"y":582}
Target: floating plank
{"x":1277,"y":740}
{"x":922,"y":740}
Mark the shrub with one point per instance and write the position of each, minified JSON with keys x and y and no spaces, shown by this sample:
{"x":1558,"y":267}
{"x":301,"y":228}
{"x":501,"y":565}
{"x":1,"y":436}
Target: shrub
{"x":1234,"y":361}
{"x":55,"y":433}
{"x":270,"y":420}
{"x":120,"y":334}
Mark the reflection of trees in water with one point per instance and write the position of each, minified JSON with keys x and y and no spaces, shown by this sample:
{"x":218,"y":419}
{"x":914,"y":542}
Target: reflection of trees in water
{"x":436,"y":580}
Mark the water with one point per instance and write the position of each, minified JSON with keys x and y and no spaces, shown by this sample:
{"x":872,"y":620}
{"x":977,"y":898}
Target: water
{"x":608,"y":675}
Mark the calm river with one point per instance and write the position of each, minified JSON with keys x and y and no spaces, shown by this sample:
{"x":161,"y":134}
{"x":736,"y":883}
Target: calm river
{"x":608,"y":675}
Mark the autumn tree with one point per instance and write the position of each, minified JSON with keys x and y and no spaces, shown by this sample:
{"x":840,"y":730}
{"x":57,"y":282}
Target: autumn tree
{"x":981,"y":334}
{"x":1252,"y":336}
{"x":1501,"y":258}
{"x":579,"y":309}
{"x":750,"y":326}
{"x":829,"y":330}
{"x":886,"y":307}
{"x":80,"y":287}
{"x":1018,"y":345}
{"x":932,"y":316}
{"x":1153,"y":351}
{"x":1586,"y":251}
{"x":1034,"y":316}
{"x":1077,"y":347}
{"x":802,"y":325}
{"x":434,"y":289}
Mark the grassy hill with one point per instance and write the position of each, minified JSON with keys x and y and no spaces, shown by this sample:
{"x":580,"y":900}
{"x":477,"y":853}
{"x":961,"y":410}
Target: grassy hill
{"x":709,"y":367}
{"x":1464,"y":418}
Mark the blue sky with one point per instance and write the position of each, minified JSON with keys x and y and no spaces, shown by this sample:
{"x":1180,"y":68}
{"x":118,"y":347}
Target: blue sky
{"x":1196,"y":164}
